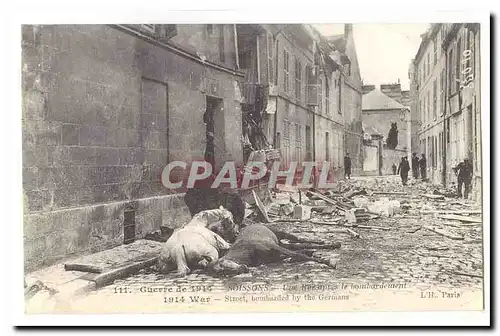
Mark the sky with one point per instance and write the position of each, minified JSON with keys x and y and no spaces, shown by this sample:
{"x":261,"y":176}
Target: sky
{"x":384,"y":51}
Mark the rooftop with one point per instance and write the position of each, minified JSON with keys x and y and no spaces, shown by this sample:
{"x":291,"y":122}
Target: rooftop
{"x":376,"y":100}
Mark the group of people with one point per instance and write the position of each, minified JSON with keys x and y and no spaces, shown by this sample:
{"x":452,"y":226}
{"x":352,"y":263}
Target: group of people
{"x":463,"y":171}
{"x":417,"y":165}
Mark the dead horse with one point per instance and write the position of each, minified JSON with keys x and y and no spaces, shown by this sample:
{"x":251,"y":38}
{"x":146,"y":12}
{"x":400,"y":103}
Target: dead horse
{"x":256,"y":245}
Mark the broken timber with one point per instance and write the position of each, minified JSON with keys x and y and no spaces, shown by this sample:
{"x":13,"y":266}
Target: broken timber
{"x":462,"y":218}
{"x":378,"y":228}
{"x":451,"y":212}
{"x":82,"y":268}
{"x":261,"y":207}
{"x":442,"y":233}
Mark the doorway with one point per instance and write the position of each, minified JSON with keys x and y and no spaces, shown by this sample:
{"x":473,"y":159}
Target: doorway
{"x":214,"y":132}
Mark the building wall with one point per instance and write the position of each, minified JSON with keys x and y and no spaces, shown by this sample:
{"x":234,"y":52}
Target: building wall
{"x":451,"y":134}
{"x":352,"y":93}
{"x":430,"y":75}
{"x":103,"y":112}
{"x":381,"y":120}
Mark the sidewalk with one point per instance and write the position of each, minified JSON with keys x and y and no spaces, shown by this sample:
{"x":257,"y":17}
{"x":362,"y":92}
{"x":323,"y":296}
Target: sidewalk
{"x":60,"y":286}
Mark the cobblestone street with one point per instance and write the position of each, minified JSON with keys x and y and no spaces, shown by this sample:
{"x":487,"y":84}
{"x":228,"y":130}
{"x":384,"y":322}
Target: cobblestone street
{"x":403,"y":255}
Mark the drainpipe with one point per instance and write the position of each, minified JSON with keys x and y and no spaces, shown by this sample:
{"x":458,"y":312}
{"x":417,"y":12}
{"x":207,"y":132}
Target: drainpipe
{"x":276,"y":59}
{"x":236,"y":47}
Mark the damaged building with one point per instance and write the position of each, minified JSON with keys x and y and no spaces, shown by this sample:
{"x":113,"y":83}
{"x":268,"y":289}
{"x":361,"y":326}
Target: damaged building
{"x":106,"y":107}
{"x":385,"y":142}
{"x":446,"y":91}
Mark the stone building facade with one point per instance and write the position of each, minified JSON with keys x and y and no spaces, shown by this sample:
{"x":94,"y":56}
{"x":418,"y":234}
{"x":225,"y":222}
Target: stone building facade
{"x":105,"y":108}
{"x":446,"y":83}
{"x":351,"y":92}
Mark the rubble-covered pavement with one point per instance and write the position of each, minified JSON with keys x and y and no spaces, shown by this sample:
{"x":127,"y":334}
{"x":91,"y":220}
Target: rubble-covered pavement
{"x":400,"y":248}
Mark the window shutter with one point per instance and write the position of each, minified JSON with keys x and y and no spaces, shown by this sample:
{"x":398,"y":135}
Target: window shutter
{"x":312,"y":85}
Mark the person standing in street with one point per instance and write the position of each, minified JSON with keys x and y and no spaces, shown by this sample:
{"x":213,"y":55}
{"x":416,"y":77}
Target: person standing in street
{"x":403,"y":169}
{"x":394,"y":169}
{"x":423,"y":167}
{"x":464,"y":177}
{"x":414,"y":165}
{"x":347,"y":166}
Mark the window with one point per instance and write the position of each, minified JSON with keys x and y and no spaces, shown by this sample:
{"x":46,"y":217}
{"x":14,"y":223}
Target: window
{"x":312,"y":85}
{"x":458,"y":63}
{"x":340,"y":94}
{"x":222,"y":52}
{"x":270,"y":58}
{"x":286,"y":138}
{"x":320,"y":94}
{"x":210,"y":29}
{"x":450,"y":71}
{"x":435,"y":50}
{"x":428,"y":64}
{"x":443,"y":93}
{"x":286,"y":71}
{"x":327,"y":98}
{"x":308,"y":143}
{"x":298,"y":80}
{"x":275,"y":76}
{"x":434,"y":102}
{"x":298,"y":144}
{"x":429,"y":100}
{"x":150,"y":28}
{"x":327,"y":147}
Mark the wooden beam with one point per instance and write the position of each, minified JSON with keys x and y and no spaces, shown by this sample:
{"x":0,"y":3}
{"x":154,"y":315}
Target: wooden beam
{"x":445,"y":234}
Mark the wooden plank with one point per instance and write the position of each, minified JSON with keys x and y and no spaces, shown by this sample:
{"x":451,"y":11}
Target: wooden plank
{"x":106,"y":278}
{"x":261,"y":207}
{"x":82,"y":268}
{"x":451,"y":212}
{"x":334,"y":221}
{"x":324,"y":198}
{"x":434,"y":197}
{"x":462,"y":218}
{"x":442,"y":233}
{"x":373,"y":227}
{"x":389,"y":193}
{"x":353,"y":233}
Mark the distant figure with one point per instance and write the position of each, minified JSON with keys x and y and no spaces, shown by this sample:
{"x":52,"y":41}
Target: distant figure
{"x":403,"y":169}
{"x":423,"y":167}
{"x":347,"y":166}
{"x":394,"y":169}
{"x":464,"y":176}
{"x":414,"y":165}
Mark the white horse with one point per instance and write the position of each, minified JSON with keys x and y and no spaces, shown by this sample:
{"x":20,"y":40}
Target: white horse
{"x":199,"y":242}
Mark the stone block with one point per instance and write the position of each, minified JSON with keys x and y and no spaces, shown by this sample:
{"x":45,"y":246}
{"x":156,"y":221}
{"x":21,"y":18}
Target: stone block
{"x":92,"y":135}
{"x":302,"y":212}
{"x":30,"y":178}
{"x":47,"y":178}
{"x":131,"y":156}
{"x":65,"y":197}
{"x":34,"y":104}
{"x":36,"y":200}
{"x":81,"y":156}
{"x":69,"y":134}
{"x":107,"y":156}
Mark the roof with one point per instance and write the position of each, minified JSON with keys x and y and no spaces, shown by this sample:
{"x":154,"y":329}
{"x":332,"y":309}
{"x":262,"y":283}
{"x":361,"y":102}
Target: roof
{"x":370,"y":130}
{"x":376,"y":100}
{"x":338,"y":41}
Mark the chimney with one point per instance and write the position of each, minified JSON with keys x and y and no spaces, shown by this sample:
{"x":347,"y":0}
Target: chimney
{"x":347,"y":29}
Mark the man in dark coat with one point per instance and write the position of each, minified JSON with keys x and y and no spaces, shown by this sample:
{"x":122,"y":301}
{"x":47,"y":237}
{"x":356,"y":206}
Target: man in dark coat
{"x":414,"y":165}
{"x":347,"y":165}
{"x":464,"y":177}
{"x":423,"y":167}
{"x":394,"y":169}
{"x":403,"y":169}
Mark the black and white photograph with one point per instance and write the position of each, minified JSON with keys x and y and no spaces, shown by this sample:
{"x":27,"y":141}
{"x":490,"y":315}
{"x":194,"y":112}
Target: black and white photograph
{"x":253,"y":167}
